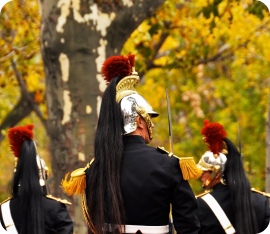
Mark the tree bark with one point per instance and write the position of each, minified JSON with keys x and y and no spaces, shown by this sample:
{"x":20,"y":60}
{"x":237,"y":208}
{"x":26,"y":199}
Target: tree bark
{"x":267,"y":164}
{"x":77,"y":36}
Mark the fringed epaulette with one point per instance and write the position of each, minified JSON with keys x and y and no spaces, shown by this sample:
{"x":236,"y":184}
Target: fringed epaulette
{"x":76,"y":185}
{"x":260,"y":192}
{"x":9,"y":198}
{"x":202,"y":194}
{"x":187,"y":165}
{"x":64,"y":201}
{"x":77,"y":182}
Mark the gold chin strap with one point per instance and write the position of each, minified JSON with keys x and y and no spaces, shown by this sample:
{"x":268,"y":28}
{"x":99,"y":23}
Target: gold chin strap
{"x":142,"y":112}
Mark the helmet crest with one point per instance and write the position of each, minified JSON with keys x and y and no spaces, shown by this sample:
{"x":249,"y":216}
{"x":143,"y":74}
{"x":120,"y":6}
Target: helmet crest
{"x":18,"y":135}
{"x":214,"y":134}
{"x":117,"y":66}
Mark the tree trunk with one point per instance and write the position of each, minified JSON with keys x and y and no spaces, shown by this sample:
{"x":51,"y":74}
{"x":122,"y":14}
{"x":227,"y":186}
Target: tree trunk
{"x":76,"y":38}
{"x":267,"y":165}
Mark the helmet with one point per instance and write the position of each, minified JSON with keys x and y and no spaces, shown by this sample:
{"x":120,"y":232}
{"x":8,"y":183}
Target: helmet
{"x":132,"y":104}
{"x":209,"y":162}
{"x":17,"y":135}
{"x":215,"y":159}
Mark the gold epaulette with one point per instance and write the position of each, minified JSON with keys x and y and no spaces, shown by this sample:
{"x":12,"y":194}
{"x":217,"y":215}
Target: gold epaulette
{"x":187,"y":165}
{"x":5,"y":200}
{"x":77,"y":183}
{"x":64,"y":201}
{"x":202,"y":194}
{"x":260,"y":192}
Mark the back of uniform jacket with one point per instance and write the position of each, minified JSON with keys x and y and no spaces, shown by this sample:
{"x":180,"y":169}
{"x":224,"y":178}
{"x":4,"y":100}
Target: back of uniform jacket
{"x":150,"y":182}
{"x":56,"y":216}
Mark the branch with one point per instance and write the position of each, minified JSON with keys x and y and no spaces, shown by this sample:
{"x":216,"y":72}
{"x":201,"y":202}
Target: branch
{"x":213,"y":59}
{"x":11,"y":53}
{"x":7,"y":56}
{"x":219,"y":55}
{"x":149,"y":65}
{"x":157,"y":46}
{"x":167,"y":52}
{"x":29,"y":98}
{"x":19,"y":112}
{"x":262,"y":26}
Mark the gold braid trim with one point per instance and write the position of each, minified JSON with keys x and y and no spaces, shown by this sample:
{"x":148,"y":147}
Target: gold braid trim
{"x":9,"y":198}
{"x":86,"y":214}
{"x":202,"y":194}
{"x":260,"y":192}
{"x":64,"y":201}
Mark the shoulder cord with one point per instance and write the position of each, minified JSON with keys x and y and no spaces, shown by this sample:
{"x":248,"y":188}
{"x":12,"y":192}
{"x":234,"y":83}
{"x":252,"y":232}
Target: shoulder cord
{"x":86,"y":214}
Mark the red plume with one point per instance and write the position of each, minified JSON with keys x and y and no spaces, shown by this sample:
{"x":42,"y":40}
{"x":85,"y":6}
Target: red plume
{"x":17,"y":136}
{"x":117,"y":66}
{"x":214,"y":134}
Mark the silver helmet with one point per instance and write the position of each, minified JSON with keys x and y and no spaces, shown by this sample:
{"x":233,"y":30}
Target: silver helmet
{"x":215,"y":159}
{"x":133,"y":104}
{"x":213,"y":163}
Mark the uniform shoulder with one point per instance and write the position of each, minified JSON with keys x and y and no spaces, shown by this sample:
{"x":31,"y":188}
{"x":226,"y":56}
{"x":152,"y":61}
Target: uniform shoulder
{"x":260,"y":192}
{"x":167,"y":155}
{"x":203,"y":194}
{"x":187,"y":165}
{"x":9,"y":198}
{"x":162,"y":150}
{"x":64,"y":201}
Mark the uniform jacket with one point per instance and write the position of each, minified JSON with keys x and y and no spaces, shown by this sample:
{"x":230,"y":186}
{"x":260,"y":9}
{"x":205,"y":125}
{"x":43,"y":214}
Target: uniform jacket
{"x":209,"y":222}
{"x":57,"y":219}
{"x":150,"y":182}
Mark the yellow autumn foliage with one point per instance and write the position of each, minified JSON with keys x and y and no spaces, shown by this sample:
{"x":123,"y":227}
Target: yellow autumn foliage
{"x":20,"y":42}
{"x":216,"y":67}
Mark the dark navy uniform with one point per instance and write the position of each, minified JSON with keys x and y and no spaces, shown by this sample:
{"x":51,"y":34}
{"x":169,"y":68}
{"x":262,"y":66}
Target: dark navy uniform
{"x":209,"y":222}
{"x":56,"y":215}
{"x":150,"y":182}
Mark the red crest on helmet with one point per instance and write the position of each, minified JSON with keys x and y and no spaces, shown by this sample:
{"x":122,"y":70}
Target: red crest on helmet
{"x":117,"y":66}
{"x":17,"y":136}
{"x":214,"y":134}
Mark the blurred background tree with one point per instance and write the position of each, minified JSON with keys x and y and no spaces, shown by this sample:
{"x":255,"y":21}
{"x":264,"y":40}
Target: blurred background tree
{"x":21,"y":79}
{"x":211,"y":55}
{"x":76,"y":37}
{"x":214,"y":59}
